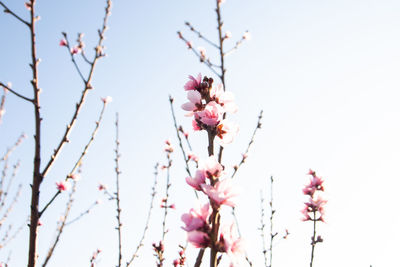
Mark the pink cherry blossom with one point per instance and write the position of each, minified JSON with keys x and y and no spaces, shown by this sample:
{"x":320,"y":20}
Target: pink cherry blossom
{"x":198,"y":239}
{"x":196,"y":218}
{"x":63,"y":42}
{"x":227,"y":131}
{"x":233,"y":245}
{"x":197,"y":181}
{"x":62,"y":185}
{"x":211,"y":167}
{"x":228,"y":34}
{"x":212,"y":114}
{"x":202,"y":52}
{"x":192,"y":156}
{"x":194,"y":102}
{"x":75,"y":50}
{"x":193,"y":83}
{"x":106,"y":99}
{"x":222,"y":193}
{"x":225,"y":99}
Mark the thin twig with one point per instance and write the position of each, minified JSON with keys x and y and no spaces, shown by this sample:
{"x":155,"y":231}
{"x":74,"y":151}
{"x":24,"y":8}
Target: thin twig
{"x":87,"y":211}
{"x":244,"y":155}
{"x":15,"y":93}
{"x":6,"y":192}
{"x":117,"y":198}
{"x":11,"y":149}
{"x":207,"y":62}
{"x":7,"y":10}
{"x":11,"y":206}
{"x":153,"y":194}
{"x":14,"y":235}
{"x":200,"y":35}
{"x":262,"y":229}
{"x":238,"y":43}
{"x":271,"y":221}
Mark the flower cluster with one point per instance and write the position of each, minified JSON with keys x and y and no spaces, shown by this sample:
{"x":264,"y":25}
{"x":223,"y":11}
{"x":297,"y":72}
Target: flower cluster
{"x":208,"y":105}
{"x":314,"y":208}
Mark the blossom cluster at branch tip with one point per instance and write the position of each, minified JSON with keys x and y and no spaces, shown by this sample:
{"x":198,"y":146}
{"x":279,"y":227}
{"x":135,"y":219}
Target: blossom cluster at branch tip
{"x":315,"y":205}
{"x":208,"y":105}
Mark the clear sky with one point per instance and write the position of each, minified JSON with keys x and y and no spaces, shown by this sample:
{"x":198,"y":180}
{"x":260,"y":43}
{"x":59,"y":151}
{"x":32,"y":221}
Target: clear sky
{"x":325,"y":73}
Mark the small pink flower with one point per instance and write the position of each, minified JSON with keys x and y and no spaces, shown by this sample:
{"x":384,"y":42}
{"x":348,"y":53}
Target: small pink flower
{"x":63,"y":42}
{"x":194,"y":102}
{"x":197,"y":181}
{"x":202,"y":52}
{"x":225,"y":99}
{"x":75,"y":50}
{"x":192,"y":156}
{"x":106,"y":100}
{"x":102,"y":187}
{"x":233,"y":246}
{"x":175,"y":263}
{"x":212,"y":114}
{"x":193,"y":83}
{"x":168,"y":147}
{"x":228,"y":34}
{"x":223,"y":193}
{"x":62,"y":185}
{"x":196,"y":218}
{"x":227,"y":131}
{"x":28,"y":6}
{"x":189,"y":44}
{"x":198,"y":239}
{"x":246,"y":36}
{"x":172,"y":206}
{"x":211,"y":167}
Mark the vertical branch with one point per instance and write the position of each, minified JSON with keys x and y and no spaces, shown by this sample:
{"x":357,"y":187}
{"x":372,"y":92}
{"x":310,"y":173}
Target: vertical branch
{"x":271,"y":229}
{"x":262,"y":230}
{"x":117,"y":197}
{"x":153,"y":194}
{"x":37,"y":176}
{"x":313,"y":238}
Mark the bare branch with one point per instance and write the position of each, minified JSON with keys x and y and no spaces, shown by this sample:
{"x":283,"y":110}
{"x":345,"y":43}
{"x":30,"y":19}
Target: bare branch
{"x":200,"y":35}
{"x":153,"y":194}
{"x":7,"y":10}
{"x":244,"y":155}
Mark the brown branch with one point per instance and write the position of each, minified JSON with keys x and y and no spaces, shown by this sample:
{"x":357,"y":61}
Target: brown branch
{"x":87,"y":87}
{"x":37,"y":176}
{"x":15,"y":93}
{"x":238,"y":43}
{"x":7,"y":10}
{"x":244,"y":155}
{"x":117,"y":193}
{"x":153,"y":194}
{"x":199,"y":258}
{"x":207,"y":62}
{"x":200,"y":35}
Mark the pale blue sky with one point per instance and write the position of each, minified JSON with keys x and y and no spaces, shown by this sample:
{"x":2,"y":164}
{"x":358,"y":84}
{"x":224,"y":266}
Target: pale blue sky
{"x":326,"y":74}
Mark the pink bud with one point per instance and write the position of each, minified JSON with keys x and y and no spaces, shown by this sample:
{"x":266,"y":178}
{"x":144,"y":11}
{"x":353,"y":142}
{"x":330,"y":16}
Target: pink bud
{"x":63,"y":42}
